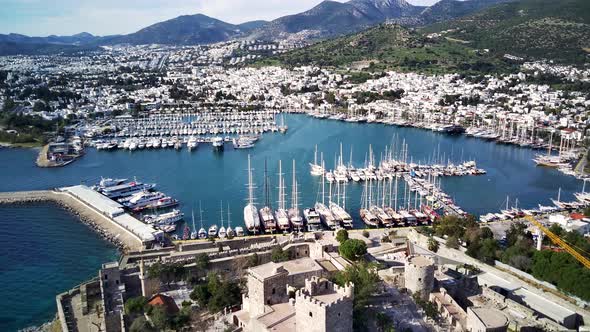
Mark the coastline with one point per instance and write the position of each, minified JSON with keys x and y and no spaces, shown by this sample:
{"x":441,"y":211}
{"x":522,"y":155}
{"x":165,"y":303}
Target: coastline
{"x":102,"y":226}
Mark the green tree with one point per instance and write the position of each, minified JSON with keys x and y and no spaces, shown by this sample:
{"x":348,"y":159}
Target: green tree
{"x":201,"y":295}
{"x":159,"y":317}
{"x":279,"y":255}
{"x":341,"y":236}
{"x":135,"y":305}
{"x":202,"y":261}
{"x":353,"y":249}
{"x":433,"y":244}
{"x":140,"y":324}
{"x":365,"y":279}
{"x":516,"y":231}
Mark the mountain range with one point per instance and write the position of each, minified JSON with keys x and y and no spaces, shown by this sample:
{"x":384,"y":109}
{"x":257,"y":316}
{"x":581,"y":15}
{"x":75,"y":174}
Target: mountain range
{"x":328,"y":19}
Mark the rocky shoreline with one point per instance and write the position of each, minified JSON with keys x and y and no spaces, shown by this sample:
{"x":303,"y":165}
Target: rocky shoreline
{"x":61,"y":202}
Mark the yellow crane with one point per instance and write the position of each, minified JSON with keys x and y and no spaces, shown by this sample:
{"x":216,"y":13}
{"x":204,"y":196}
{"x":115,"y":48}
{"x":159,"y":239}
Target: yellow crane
{"x":558,"y":241}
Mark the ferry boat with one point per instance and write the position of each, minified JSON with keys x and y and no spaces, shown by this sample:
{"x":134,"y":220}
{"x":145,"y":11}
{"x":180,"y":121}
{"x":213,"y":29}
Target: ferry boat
{"x":312,"y":218}
{"x":251,"y":217}
{"x":126,"y":189}
{"x":164,"y":218}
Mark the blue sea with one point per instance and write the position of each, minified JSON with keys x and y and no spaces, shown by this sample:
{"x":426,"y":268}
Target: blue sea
{"x":219,"y":179}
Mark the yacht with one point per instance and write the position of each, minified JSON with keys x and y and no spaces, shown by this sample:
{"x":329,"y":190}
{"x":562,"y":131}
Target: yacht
{"x":142,"y":199}
{"x":164,"y":218}
{"x":126,"y":189}
{"x":281,"y":214}
{"x":222,"y":232}
{"x":312,"y":217}
{"x":267,"y":218}
{"x":217,"y":143}
{"x":316,"y":169}
{"x":202,"y":232}
{"x":212,"y":231}
{"x":194,"y":233}
{"x":192,"y":143}
{"x":239,"y":231}
{"x":230,"y":232}
{"x":294,"y":213}
{"x":251,"y":218}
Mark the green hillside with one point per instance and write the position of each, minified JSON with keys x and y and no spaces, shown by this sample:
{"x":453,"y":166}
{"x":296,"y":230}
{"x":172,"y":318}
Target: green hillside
{"x":556,"y":30}
{"x":392,"y":47}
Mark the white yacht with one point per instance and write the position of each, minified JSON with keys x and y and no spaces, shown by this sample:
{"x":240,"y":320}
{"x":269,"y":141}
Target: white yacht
{"x":202,"y":232}
{"x":251,"y":217}
{"x":222,"y":232}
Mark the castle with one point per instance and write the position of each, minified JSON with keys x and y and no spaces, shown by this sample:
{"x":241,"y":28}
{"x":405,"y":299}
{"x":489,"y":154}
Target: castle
{"x":272,"y":303}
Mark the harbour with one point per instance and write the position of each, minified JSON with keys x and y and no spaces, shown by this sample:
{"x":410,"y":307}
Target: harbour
{"x":210,"y":178}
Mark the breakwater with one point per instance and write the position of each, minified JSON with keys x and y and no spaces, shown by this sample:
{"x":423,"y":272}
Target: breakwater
{"x":104,"y":227}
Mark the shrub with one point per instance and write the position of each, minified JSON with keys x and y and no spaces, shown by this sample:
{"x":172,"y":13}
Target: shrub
{"x":341,"y":236}
{"x":353,"y":249}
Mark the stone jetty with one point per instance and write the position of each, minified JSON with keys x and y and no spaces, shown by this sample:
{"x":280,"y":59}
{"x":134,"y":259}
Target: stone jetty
{"x":104,"y":226}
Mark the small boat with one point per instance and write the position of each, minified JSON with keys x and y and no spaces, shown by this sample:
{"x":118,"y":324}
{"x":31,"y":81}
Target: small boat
{"x":186,"y":233}
{"x":202,"y":232}
{"x":212,"y":231}
{"x":194,"y":233}
{"x":217,"y":143}
{"x":222,"y":232}
{"x":229,"y":231}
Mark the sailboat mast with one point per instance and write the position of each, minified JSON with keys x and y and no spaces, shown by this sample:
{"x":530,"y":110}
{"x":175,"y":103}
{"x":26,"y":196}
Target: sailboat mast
{"x":250,"y":184}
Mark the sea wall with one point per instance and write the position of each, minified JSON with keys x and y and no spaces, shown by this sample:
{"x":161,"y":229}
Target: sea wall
{"x":101,"y":225}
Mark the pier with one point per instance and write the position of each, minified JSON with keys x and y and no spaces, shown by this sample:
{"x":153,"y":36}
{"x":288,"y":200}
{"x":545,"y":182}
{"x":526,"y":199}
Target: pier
{"x":94,"y":210}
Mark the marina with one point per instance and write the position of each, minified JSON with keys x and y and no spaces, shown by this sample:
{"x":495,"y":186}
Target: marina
{"x":179,"y":174}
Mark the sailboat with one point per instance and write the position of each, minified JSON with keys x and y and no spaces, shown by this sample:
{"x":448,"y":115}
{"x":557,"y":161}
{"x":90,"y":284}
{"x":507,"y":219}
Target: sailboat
{"x":194,"y":233}
{"x":316,"y":169}
{"x":294,"y":213}
{"x":281,"y":213}
{"x":230,"y":232}
{"x":251,"y":218}
{"x":326,"y":215}
{"x":222,"y":232}
{"x":283,"y":128}
{"x":368,"y":218}
{"x":339,"y":211}
{"x":266,"y":216}
{"x":202,"y":232}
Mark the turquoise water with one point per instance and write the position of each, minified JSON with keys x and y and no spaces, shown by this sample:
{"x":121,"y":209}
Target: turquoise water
{"x":202,"y":175}
{"x":44,"y":251}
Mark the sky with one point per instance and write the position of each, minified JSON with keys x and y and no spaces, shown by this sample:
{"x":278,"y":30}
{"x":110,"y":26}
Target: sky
{"x":107,"y":17}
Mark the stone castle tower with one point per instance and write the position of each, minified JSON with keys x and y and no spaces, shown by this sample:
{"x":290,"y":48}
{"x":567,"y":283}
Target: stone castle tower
{"x":323,"y":306}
